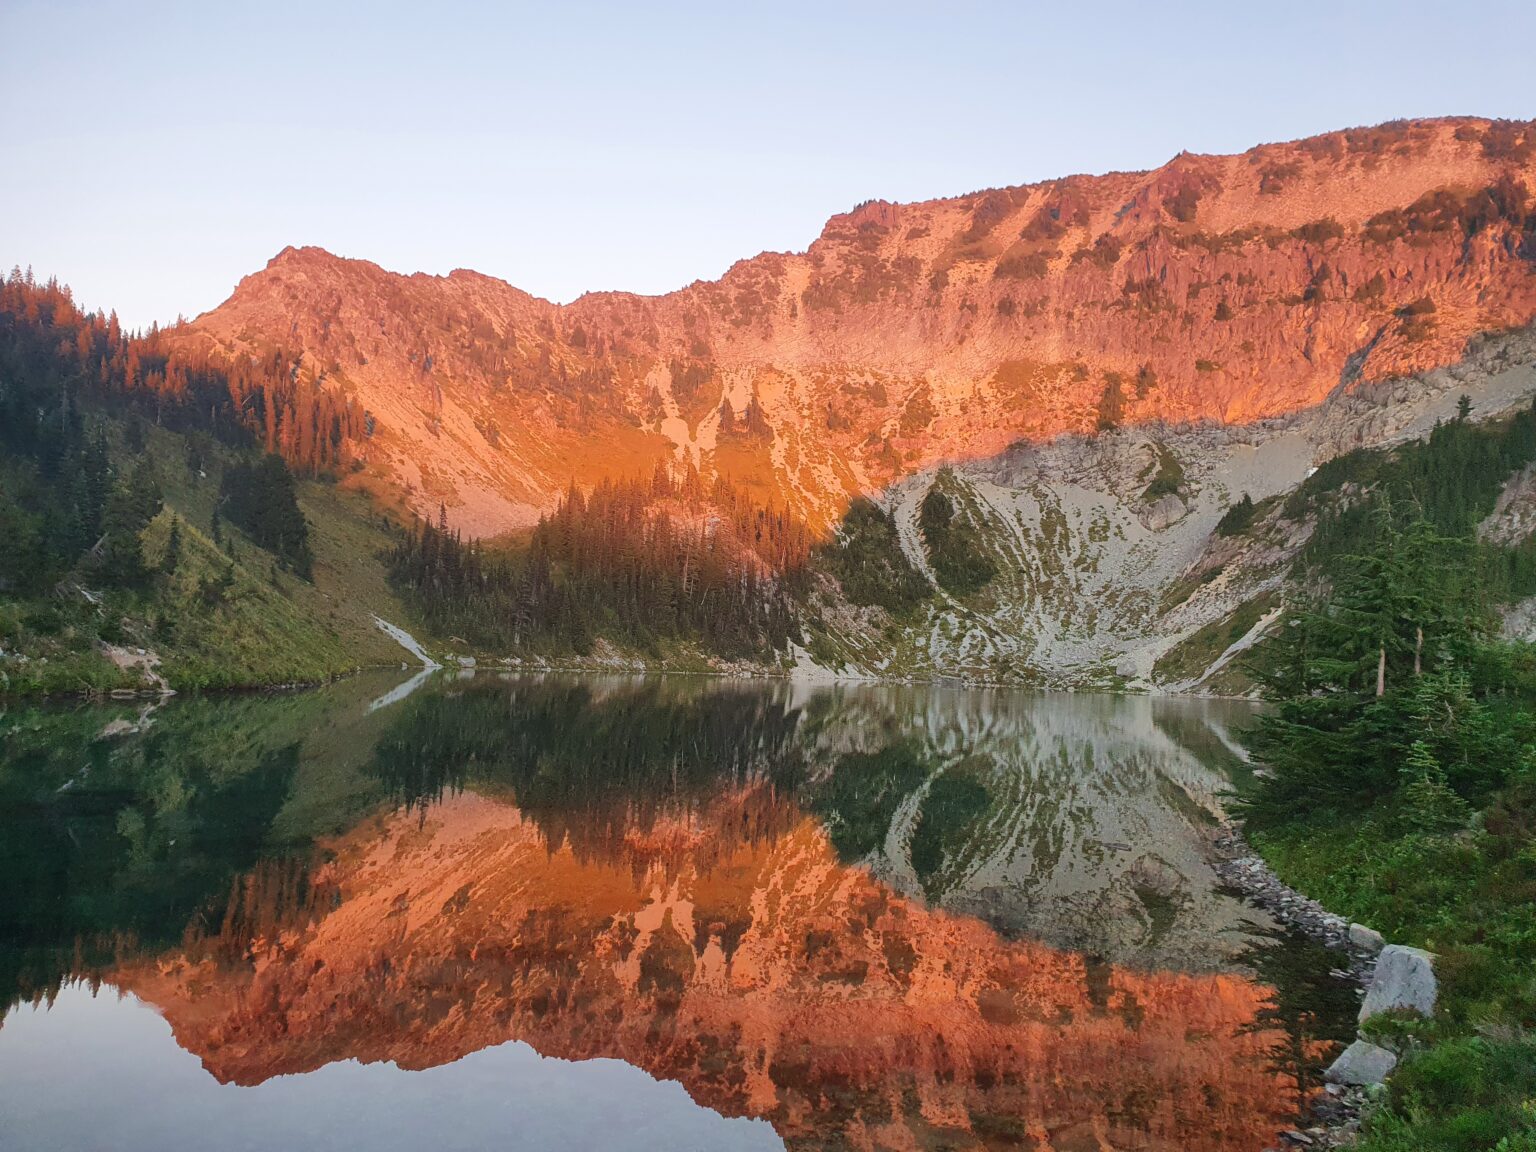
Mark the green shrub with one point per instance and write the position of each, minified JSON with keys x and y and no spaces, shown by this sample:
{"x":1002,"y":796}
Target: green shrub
{"x":1111,"y":407}
{"x":867,"y":561}
{"x":1468,"y":1094}
{"x":1237,"y":519}
{"x":1167,"y":475}
{"x":1319,"y":231}
{"x":954,"y":546}
{"x":1023,"y":266}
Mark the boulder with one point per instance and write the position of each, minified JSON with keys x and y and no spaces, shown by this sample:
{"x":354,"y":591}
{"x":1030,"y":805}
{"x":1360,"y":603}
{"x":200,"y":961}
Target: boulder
{"x":1366,"y":939}
{"x":1361,"y":1064}
{"x":1164,"y":512}
{"x":1404,"y":981}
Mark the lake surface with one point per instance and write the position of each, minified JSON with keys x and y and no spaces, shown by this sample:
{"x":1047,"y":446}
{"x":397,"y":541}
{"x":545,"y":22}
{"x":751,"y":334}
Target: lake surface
{"x":649,"y":913}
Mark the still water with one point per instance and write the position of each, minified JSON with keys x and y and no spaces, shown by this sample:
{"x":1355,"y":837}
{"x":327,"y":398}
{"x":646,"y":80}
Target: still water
{"x":639,"y":913}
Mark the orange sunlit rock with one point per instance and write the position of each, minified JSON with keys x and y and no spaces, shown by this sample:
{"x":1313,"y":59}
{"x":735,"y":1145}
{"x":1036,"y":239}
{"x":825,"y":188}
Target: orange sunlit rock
{"x":1225,"y":288}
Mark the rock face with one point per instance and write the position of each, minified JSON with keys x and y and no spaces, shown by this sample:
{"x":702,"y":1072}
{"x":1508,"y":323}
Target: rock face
{"x":1404,"y":981}
{"x":1361,"y":1064}
{"x":1092,"y":588}
{"x":1220,"y":288}
{"x":1365,"y":938}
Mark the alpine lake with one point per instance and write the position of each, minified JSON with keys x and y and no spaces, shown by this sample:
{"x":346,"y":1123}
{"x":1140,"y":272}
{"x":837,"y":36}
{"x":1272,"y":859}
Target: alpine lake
{"x":469,"y":911}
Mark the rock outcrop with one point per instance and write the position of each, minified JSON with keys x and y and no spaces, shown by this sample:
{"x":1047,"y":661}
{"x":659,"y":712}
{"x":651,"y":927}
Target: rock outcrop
{"x":1366,"y":939}
{"x":1361,"y":1064}
{"x":1404,"y":982}
{"x":1097,"y":582}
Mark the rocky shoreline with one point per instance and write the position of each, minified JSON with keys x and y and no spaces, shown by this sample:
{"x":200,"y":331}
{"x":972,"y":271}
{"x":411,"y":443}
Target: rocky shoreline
{"x":1332,"y":1120}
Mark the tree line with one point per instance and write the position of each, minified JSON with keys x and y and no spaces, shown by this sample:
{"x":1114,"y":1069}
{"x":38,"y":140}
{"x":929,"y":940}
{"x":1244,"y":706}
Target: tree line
{"x":1397,"y":763}
{"x":54,"y":355}
{"x":68,"y":376}
{"x":1394,"y":618}
{"x":635,"y":562}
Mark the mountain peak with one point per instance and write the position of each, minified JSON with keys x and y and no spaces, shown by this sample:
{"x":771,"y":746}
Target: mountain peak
{"x":303,"y":254}
{"x":1226,"y":288}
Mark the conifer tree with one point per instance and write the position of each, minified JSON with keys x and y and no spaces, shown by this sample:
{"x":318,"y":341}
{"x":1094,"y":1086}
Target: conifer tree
{"x":172,"y":555}
{"x":120,"y":553}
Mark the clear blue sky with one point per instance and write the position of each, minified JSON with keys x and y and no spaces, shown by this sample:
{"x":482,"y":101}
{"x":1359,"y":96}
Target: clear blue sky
{"x":154,"y":153}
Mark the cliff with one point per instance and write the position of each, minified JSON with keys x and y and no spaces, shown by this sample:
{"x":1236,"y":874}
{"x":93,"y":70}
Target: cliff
{"x":1215,"y":288}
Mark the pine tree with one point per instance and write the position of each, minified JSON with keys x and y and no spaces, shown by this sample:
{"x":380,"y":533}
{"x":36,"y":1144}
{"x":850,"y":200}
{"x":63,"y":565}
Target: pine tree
{"x":172,"y":555}
{"x":1428,"y":802}
{"x":1358,"y":676}
{"x":119,"y":557}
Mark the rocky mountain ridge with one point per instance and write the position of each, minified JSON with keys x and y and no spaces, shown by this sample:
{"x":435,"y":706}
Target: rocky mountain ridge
{"x":1224,"y":289}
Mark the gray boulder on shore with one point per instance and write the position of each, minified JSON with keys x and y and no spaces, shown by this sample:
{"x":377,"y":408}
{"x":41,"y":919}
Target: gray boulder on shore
{"x":1366,"y":939}
{"x":1404,"y":981}
{"x":1361,"y":1064}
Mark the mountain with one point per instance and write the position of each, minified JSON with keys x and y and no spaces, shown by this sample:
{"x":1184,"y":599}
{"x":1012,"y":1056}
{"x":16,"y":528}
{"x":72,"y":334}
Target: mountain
{"x":1118,"y":560}
{"x":1225,"y":289}
{"x":1086,"y":415}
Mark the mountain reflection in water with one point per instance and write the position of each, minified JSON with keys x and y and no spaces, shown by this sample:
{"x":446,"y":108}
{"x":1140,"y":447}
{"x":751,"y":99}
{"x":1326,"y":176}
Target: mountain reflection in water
{"x":874,"y":917}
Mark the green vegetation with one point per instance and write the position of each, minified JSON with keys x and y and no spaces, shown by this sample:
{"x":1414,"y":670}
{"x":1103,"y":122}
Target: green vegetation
{"x":193,"y":590}
{"x":1448,"y":211}
{"x":584,"y":762}
{"x":110,"y":839}
{"x":955,"y":547}
{"x":1194,"y":654}
{"x":114,"y":537}
{"x":1373,"y":289}
{"x":1236,"y":520}
{"x":859,"y":798}
{"x":954,"y":804}
{"x":1319,"y":231}
{"x":867,"y":560}
{"x":220,"y":616}
{"x":1452,"y":479}
{"x":260,"y":499}
{"x":1023,"y":266}
{"x":1184,"y":201}
{"x":720,"y":573}
{"x":1466,"y":1092}
{"x":1167,"y":474}
{"x":1111,"y":407}
{"x":1399,"y":772}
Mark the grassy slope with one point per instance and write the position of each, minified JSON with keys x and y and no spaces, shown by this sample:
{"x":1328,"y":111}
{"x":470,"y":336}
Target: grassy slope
{"x":1195,"y":653}
{"x":1469,"y":1080}
{"x":268,"y":627}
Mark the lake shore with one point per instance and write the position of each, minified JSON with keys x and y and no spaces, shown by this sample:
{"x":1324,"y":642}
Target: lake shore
{"x":1332,"y":1117}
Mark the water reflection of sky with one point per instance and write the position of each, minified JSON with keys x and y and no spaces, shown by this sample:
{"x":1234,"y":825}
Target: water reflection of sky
{"x":102,"y":1073}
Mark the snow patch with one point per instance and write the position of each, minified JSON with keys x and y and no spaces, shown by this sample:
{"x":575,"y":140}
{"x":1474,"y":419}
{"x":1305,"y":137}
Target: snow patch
{"x":403,"y":638}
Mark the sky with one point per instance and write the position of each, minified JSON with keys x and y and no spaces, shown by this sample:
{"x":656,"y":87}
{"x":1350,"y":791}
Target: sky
{"x":151,"y":154}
